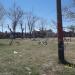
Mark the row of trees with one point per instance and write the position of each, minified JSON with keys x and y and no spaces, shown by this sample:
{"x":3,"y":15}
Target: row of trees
{"x":25,"y":20}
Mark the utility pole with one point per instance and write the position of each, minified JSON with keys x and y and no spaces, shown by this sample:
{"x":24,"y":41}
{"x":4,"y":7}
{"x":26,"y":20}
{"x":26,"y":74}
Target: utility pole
{"x":60,"y":33}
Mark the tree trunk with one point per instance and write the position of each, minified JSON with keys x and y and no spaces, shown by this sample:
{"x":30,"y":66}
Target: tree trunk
{"x":60,"y":33}
{"x":13,"y":34}
{"x":30,"y":36}
{"x":22,"y":34}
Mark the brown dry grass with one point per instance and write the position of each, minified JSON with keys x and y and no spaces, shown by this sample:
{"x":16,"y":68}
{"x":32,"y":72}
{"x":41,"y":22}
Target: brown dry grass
{"x":26,"y":57}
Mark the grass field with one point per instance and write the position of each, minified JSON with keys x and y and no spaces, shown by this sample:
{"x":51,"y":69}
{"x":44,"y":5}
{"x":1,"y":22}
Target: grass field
{"x":27,"y":57}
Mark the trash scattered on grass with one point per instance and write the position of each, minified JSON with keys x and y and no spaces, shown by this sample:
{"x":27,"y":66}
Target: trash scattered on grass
{"x":27,"y":68}
{"x":30,"y":73}
{"x":15,"y":52}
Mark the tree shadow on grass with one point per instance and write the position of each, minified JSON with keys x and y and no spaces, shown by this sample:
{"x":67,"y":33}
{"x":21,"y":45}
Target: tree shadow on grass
{"x":2,"y":44}
{"x":66,"y":63}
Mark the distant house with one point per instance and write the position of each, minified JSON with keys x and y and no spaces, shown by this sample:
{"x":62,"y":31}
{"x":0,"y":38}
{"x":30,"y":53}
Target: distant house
{"x":50,"y":33}
{"x":44,"y":33}
{"x":69,"y":34}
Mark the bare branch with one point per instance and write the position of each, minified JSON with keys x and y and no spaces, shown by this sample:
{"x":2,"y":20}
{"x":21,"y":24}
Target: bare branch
{"x":15,"y":14}
{"x":31,"y":20}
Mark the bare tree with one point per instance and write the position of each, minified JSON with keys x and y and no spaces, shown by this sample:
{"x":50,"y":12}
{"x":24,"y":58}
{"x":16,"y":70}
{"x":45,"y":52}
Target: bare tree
{"x":2,"y":26}
{"x":2,"y":14}
{"x":11,"y":36}
{"x":2,"y":11}
{"x":31,"y":21}
{"x":69,"y":14}
{"x":42,"y":25}
{"x":68,"y":11}
{"x":25,"y":29}
{"x":15,"y":14}
{"x":22,"y":29}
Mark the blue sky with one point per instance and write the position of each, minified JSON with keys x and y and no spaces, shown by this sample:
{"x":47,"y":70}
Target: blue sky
{"x":41,"y":8}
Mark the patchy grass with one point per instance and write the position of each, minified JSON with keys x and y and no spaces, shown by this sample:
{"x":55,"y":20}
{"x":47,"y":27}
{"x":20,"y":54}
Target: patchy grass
{"x":27,"y":57}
